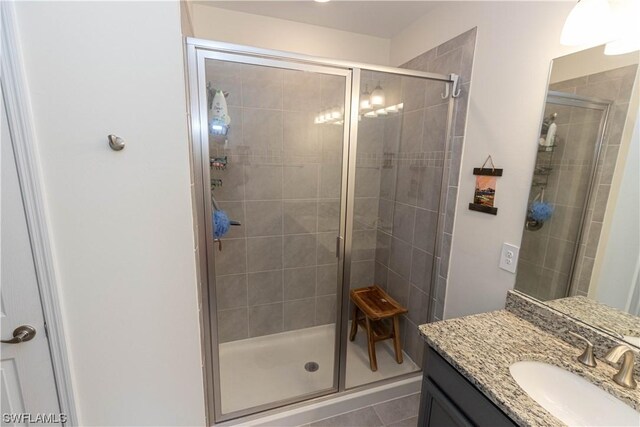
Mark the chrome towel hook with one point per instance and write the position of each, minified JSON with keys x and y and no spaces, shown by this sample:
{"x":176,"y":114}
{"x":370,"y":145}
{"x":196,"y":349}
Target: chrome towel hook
{"x":455,"y":87}
{"x":116,"y":143}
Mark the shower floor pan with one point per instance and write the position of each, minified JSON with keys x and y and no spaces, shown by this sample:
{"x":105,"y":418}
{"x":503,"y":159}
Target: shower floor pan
{"x":267,"y":369}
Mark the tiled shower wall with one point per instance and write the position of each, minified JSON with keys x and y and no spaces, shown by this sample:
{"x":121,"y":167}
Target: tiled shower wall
{"x":277,"y":271}
{"x":546,"y":254}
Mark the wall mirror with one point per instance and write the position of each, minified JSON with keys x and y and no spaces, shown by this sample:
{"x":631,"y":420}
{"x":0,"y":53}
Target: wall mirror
{"x":580,"y":251}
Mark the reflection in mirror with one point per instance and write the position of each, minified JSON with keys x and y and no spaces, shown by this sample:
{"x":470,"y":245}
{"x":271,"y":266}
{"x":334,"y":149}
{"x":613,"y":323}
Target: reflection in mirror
{"x":580,"y":248}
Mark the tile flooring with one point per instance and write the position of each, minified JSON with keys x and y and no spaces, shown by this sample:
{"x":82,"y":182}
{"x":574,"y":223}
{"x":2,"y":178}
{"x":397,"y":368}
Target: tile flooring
{"x":401,"y":412}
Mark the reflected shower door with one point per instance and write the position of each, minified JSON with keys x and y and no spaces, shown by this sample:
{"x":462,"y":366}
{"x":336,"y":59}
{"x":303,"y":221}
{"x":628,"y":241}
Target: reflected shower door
{"x":273,"y":160}
{"x":554,"y":259}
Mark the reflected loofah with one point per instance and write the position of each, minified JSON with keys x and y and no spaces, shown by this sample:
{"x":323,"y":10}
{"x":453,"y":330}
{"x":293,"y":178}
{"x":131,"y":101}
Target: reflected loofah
{"x":540,"y":211}
{"x":221,"y":224}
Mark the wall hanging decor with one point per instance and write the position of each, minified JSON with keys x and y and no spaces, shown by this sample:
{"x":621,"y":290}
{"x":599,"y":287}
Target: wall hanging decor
{"x":484,"y":196}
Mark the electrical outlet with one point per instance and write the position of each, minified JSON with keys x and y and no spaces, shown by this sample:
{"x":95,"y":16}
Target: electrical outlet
{"x":509,"y":257}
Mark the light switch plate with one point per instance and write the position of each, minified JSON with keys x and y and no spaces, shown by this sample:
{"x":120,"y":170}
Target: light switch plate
{"x":509,"y":257}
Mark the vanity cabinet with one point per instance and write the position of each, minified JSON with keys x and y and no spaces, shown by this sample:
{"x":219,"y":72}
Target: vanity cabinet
{"x":448,"y":399}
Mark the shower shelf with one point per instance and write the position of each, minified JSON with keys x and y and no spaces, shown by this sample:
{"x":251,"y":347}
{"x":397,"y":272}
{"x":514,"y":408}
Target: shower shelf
{"x":542,"y":171}
{"x":546,"y":148}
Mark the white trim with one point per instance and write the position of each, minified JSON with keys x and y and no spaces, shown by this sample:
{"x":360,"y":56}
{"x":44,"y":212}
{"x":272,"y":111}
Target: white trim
{"x":20,"y":119}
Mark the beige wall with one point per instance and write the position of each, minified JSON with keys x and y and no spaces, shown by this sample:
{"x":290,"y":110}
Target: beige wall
{"x":217,"y":24}
{"x":515,"y":45}
{"x":121,"y":221}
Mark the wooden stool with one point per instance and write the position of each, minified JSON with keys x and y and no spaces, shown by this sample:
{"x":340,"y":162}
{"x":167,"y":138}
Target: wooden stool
{"x":376,"y":305}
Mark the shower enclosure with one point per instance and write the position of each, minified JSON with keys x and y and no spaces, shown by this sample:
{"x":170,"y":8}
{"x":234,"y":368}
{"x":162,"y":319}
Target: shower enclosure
{"x":331,"y":175}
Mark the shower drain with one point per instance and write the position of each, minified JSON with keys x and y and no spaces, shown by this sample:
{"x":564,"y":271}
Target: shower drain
{"x":311,"y":366}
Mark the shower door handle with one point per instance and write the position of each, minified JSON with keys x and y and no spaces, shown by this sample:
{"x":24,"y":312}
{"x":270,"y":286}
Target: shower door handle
{"x":338,"y":245}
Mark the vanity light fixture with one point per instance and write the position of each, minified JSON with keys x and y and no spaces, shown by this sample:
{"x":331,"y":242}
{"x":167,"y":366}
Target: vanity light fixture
{"x":377,"y":97}
{"x":322,"y":1}
{"x":590,"y":22}
{"x":625,"y":15}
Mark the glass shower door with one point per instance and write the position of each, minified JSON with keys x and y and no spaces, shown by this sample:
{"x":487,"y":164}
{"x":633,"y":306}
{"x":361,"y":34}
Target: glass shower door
{"x":272,"y":164}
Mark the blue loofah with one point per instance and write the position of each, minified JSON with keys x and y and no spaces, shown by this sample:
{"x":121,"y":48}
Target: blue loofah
{"x":221,"y":223}
{"x":540,"y":211}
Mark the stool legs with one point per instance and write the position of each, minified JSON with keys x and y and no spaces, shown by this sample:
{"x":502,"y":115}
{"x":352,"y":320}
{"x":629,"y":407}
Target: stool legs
{"x":354,"y":323}
{"x":372,"y":346}
{"x":396,"y":339}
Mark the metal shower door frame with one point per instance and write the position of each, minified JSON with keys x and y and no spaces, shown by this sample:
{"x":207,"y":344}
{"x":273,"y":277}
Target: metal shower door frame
{"x":197,"y":51}
{"x":572,"y":100}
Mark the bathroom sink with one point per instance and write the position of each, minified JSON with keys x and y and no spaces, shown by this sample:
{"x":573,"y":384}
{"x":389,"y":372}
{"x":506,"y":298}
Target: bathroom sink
{"x":570,"y":398}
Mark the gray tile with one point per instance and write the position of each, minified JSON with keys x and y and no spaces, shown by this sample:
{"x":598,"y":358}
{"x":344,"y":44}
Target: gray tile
{"x":365,"y":213}
{"x":380,"y":275}
{"x":326,"y":309}
{"x":262,"y":130}
{"x":367,"y":182}
{"x":412,"y":93}
{"x":265,"y":287}
{"x":232,"y":258}
{"x":450,"y":209}
{"x":418,"y":304}
{"x":609,"y":164}
{"x":400,"y":258}
{"x":398,"y":409}
{"x":435,"y":128}
{"x":408,"y":181}
{"x":299,"y":283}
{"x":447,"y":63}
{"x":265,"y":319}
{"x":264,"y":218}
{"x":429,"y":188}
{"x":263,"y":182}
{"x":559,"y":255}
{"x":370,"y":136}
{"x":301,"y":135}
{"x":421,"y":267}
{"x":299,"y":314}
{"x":403,"y":222}
{"x":364,"y":245}
{"x":385,"y":215}
{"x":392,"y":133}
{"x":330,"y":180}
{"x":326,"y":248}
{"x":409,"y":422}
{"x":413,"y":342}
{"x":388,"y":181}
{"x":233,"y":324}
{"x":600,"y":205}
{"x":233,"y":182}
{"x":565,"y":222}
{"x":383,"y":247}
{"x":300,"y":217}
{"x":451,"y":44}
{"x":602,"y":89}
{"x":460,"y":112}
{"x":231,"y":291}
{"x":300,"y":181}
{"x":262,"y":87}
{"x":327,"y":279}
{"x":299,"y":250}
{"x":365,"y":417}
{"x":301,"y":91}
{"x":398,"y":288}
{"x":264,"y":253}
{"x":595,"y":228}
{"x":425,"y":229}
{"x":362,"y":274}
{"x":411,"y":138}
{"x":329,"y":215}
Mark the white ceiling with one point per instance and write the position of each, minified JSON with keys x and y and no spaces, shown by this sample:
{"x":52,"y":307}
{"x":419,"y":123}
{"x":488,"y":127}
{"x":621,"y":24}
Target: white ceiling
{"x":375,"y":18}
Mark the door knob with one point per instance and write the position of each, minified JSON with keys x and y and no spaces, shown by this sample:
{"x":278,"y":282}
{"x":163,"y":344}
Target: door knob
{"x":21,"y":334}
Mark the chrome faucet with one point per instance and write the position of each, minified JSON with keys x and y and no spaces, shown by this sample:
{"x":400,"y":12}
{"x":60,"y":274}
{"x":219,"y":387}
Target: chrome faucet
{"x":624,"y":377}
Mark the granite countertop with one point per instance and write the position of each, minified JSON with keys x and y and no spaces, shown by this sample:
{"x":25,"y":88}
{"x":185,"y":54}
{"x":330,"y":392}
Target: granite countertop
{"x":598,"y":314}
{"x":483,"y":346}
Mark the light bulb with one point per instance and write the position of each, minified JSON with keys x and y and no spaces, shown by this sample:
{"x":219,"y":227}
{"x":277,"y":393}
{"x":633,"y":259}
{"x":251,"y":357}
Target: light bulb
{"x":589,"y":23}
{"x":377,"y":97}
{"x":365,"y":100}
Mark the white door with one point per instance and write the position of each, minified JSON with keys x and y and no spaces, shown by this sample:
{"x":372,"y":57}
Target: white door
{"x":27,"y":384}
